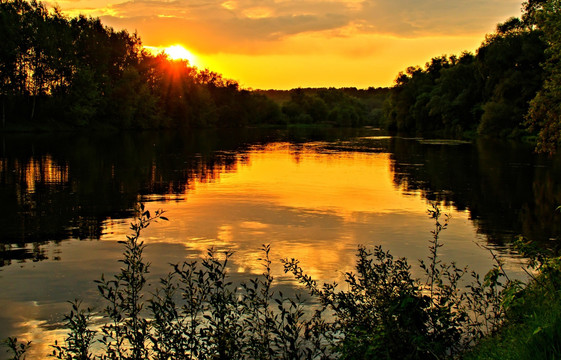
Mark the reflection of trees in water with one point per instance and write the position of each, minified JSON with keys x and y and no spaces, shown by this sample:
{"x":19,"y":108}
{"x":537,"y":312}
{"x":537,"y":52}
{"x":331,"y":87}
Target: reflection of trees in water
{"x":28,"y":252}
{"x":55,"y":187}
{"x":58,"y":187}
{"x":507,"y":189}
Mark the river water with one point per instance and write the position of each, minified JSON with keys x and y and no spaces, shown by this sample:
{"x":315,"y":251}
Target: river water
{"x":312,"y":194}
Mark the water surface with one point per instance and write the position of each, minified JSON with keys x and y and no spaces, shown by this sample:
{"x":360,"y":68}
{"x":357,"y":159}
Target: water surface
{"x":314,"y":195}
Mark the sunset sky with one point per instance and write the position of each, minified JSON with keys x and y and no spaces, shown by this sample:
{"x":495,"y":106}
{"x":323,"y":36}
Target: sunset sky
{"x":282,"y":44}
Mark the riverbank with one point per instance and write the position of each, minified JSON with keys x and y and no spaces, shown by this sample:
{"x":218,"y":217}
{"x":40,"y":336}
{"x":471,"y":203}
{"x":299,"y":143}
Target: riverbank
{"x":532,"y":329}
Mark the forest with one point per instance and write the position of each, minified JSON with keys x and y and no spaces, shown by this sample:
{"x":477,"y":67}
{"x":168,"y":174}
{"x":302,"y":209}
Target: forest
{"x":348,"y":107}
{"x":61,"y":74}
{"x":511,"y":86}
{"x":58,"y":73}
{"x":74,"y":73}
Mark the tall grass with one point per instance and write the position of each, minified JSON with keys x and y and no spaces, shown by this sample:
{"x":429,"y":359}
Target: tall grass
{"x":532,"y":326}
{"x":196,"y":312}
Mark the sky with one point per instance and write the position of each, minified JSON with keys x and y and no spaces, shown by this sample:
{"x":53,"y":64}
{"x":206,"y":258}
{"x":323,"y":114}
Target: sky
{"x":283,"y":44}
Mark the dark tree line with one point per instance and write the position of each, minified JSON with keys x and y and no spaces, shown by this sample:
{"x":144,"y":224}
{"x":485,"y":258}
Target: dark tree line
{"x":344,"y":107}
{"x":59,"y":72}
{"x":492,"y":92}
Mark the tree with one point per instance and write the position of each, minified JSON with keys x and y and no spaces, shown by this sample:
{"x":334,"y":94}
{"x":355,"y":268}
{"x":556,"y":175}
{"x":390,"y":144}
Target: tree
{"x":509,"y":64}
{"x":544,"y":114}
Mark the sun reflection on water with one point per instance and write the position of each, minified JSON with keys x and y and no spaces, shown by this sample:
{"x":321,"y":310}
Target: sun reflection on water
{"x":307,"y":203}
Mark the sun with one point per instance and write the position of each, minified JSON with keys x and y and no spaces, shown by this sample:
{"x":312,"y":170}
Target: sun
{"x":178,"y":52}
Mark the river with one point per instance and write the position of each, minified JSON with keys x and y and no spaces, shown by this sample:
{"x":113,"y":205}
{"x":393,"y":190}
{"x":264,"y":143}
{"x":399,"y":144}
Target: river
{"x":312,"y":194}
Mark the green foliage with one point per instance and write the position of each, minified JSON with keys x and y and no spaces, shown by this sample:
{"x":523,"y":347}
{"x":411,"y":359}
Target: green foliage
{"x":545,"y":107}
{"x":197,"y":312}
{"x":496,"y":118}
{"x":84,"y":98}
{"x":347,"y":107}
{"x":488,"y":93}
{"x":79,"y":339}
{"x":532,"y":326}
{"x":126,"y":334}
{"x":216,"y":319}
{"x":379,"y":315}
{"x":388,"y":314}
{"x":510,"y":66}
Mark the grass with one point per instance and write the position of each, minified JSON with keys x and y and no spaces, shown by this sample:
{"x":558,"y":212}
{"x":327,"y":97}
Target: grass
{"x":532,"y":329}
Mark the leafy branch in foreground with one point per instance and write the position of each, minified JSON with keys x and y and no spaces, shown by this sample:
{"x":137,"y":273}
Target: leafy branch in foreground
{"x":17,"y":348}
{"x":126,"y":334}
{"x":531,"y":325}
{"x":197,"y":312}
{"x":79,"y":338}
{"x":387,"y":313}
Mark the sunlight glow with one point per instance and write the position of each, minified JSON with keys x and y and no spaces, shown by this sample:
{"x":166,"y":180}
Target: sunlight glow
{"x":178,"y":52}
{"x":298,"y":214}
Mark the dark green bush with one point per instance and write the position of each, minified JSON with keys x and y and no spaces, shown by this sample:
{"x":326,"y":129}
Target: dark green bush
{"x":386,"y":313}
{"x":197,"y":312}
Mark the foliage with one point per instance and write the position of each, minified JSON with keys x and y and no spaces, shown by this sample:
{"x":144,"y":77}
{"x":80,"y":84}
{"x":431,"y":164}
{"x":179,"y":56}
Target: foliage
{"x":487,"y":93}
{"x":77,"y":73}
{"x":386,"y":313}
{"x":196,"y":313}
{"x":17,"y":348}
{"x":545,"y":107}
{"x":199,"y":313}
{"x":80,"y":337}
{"x":345,"y":107}
{"x":216,"y":319}
{"x":532,"y":328}
{"x":126,"y":333}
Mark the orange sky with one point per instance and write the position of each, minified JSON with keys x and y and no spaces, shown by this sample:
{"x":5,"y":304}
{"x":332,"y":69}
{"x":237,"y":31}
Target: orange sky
{"x":284,"y":44}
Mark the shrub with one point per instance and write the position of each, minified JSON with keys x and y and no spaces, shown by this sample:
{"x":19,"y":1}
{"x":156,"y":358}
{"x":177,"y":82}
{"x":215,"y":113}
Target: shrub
{"x":388,"y":314}
{"x":197,"y":312}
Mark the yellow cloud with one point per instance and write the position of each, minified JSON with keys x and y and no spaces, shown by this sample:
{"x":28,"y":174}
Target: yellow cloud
{"x":257,"y":13}
{"x":230,"y":4}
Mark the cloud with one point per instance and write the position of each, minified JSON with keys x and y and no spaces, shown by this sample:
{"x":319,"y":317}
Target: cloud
{"x":270,"y":18}
{"x":243,"y":18}
{"x":232,"y":34}
{"x":175,"y":8}
{"x":259,"y":25}
{"x":410,"y":18}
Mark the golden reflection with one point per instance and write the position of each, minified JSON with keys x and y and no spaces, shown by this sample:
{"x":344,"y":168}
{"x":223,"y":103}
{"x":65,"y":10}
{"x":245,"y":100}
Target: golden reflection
{"x":22,"y":316}
{"x":306,"y":202}
{"x":45,"y":171}
{"x":344,"y":183}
